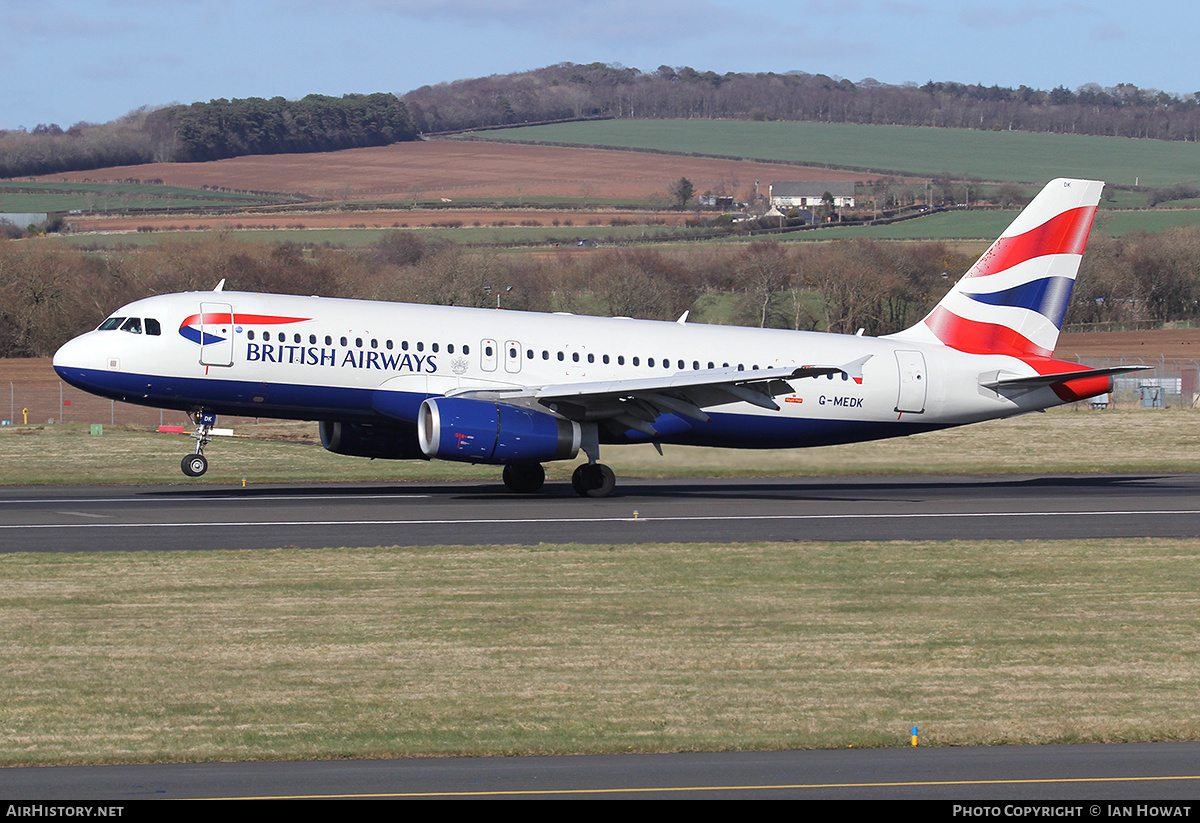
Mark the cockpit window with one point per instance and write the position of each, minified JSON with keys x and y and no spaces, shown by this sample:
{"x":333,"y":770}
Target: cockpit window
{"x":152,"y":327}
{"x":133,"y":325}
{"x":111,"y":323}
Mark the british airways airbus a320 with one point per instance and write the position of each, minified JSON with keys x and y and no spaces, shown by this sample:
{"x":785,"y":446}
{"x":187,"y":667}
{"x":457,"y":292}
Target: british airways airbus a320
{"x":518,"y":389}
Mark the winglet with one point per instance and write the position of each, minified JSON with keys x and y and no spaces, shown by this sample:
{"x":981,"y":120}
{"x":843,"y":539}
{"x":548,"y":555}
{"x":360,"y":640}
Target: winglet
{"x":853,"y":369}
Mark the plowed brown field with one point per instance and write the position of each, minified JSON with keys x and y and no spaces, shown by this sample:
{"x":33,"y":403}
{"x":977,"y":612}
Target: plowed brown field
{"x":454,"y":169}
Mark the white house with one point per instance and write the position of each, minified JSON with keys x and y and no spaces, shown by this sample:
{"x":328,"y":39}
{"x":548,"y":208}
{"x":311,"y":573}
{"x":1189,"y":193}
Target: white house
{"x":785,"y":195}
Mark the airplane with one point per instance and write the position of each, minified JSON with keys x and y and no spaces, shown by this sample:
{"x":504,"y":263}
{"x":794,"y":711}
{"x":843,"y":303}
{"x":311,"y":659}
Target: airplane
{"x":519,"y":389}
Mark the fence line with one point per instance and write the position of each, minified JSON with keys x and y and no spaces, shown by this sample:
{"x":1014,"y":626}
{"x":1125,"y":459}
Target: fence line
{"x":1169,"y":384}
{"x":42,"y":402}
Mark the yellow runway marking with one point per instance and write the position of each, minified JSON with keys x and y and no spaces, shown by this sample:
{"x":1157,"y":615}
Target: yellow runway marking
{"x":647,"y":790}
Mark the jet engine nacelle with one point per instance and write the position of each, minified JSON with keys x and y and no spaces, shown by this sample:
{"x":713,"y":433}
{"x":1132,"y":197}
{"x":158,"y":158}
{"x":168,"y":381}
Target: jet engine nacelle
{"x":484,"y":431}
{"x":371,"y":440}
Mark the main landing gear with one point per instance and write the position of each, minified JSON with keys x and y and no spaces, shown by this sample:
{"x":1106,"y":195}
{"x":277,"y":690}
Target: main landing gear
{"x":593,"y":480}
{"x":588,"y":480}
{"x":196,"y":464}
{"x":524,"y":478}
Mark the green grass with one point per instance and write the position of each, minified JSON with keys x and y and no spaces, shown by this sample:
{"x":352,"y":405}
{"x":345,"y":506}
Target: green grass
{"x":987,"y":225}
{"x":496,"y":650}
{"x":954,"y":225}
{"x":1016,"y":156}
{"x":28,"y":196}
{"x":356,"y":237}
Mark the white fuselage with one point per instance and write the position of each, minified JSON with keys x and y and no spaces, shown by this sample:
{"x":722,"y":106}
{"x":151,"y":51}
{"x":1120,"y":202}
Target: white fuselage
{"x":361,"y":361}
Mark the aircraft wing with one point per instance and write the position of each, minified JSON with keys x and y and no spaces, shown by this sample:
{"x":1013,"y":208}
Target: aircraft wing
{"x":638,"y":402}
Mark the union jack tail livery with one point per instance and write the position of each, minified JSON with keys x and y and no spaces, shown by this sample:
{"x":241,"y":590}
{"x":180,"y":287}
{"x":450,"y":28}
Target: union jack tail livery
{"x":1013,"y":299}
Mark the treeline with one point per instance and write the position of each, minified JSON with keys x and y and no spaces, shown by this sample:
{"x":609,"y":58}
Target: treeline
{"x":50,"y":292}
{"x":232,"y":128}
{"x":209,"y":131}
{"x":602,"y":90}
{"x":49,"y":149}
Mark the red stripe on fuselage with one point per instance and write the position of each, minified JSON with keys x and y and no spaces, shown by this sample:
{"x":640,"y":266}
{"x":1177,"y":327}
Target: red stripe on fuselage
{"x":253,"y":319}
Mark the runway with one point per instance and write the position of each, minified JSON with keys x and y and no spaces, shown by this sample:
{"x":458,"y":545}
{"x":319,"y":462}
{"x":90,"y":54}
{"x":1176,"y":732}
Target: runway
{"x":66,"y":519}
{"x":1078,"y":776}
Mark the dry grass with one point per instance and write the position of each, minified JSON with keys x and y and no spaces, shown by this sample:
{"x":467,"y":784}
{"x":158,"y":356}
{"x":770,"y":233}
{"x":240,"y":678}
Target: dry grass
{"x":1059,"y":441}
{"x":492,"y":650}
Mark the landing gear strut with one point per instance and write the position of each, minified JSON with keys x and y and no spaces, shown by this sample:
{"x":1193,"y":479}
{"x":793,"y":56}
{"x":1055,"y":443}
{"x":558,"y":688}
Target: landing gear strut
{"x":593,"y":478}
{"x":194,"y":465}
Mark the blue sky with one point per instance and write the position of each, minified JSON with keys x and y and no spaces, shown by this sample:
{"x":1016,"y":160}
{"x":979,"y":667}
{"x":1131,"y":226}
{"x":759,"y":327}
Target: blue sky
{"x":64,"y":61}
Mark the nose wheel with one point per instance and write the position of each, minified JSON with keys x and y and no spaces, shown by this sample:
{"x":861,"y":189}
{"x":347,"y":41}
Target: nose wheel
{"x":196,"y":464}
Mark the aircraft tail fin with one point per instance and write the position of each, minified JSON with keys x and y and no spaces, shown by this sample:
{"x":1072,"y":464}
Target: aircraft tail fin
{"x":1013,"y":299}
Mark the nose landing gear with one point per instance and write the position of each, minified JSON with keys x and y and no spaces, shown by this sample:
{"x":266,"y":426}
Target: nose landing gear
{"x":194,"y":465}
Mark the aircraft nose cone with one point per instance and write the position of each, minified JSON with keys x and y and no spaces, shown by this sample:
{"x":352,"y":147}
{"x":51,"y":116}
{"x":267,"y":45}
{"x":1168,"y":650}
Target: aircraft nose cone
{"x":77,"y":358}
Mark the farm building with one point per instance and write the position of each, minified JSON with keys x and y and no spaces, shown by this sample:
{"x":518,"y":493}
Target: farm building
{"x":785,"y":194}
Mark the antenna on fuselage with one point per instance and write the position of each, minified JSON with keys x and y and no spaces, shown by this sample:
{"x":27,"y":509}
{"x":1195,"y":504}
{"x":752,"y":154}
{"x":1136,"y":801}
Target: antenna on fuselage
{"x":221,"y":285}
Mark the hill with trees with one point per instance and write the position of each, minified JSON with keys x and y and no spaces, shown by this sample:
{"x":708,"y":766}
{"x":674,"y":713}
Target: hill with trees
{"x":210,"y":131}
{"x":229,"y":128}
{"x":568,"y":90}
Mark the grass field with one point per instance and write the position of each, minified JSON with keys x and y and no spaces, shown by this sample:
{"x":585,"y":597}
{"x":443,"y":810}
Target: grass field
{"x":356,"y":237}
{"x":954,"y":225}
{"x":373,"y":652}
{"x":46,"y":196}
{"x":987,"y":225}
{"x":1015,"y":156}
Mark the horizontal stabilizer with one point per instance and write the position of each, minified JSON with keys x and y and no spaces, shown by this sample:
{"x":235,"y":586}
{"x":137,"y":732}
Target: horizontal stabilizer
{"x":1038,"y":380}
